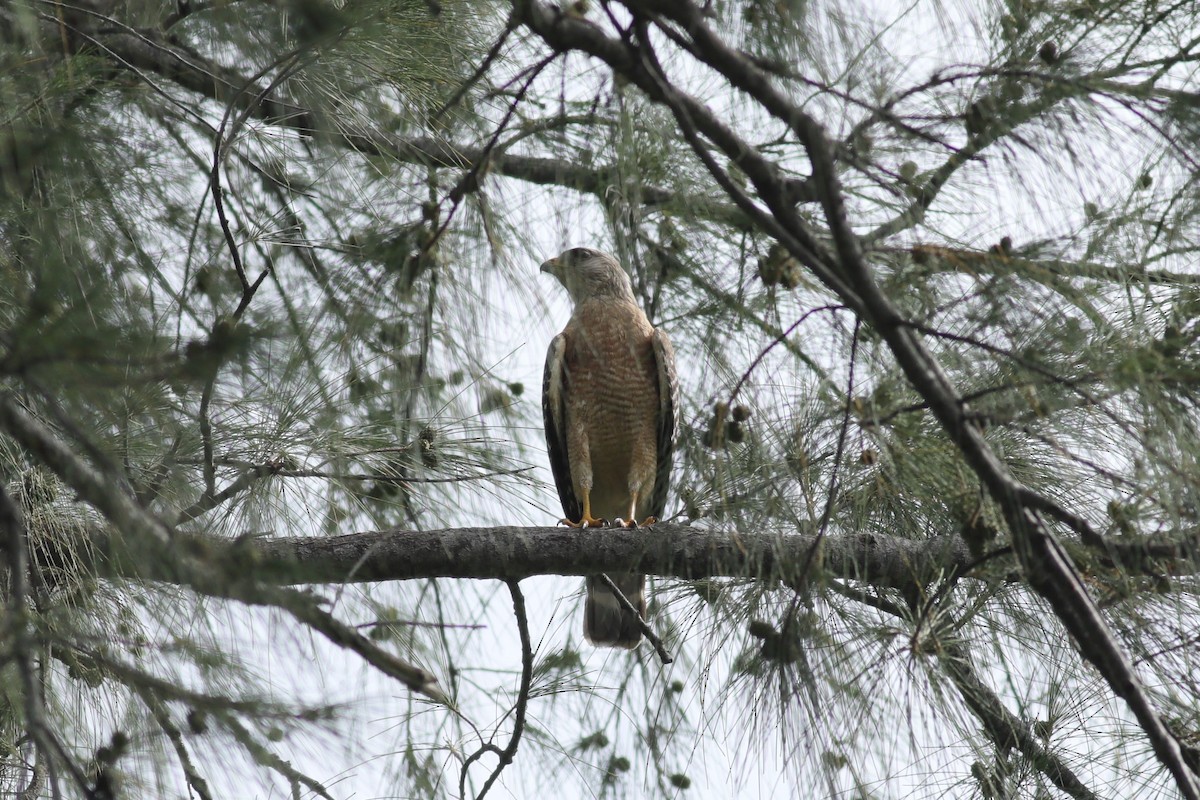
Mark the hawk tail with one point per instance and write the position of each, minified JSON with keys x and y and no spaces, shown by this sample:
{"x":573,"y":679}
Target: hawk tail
{"x":606,"y":621}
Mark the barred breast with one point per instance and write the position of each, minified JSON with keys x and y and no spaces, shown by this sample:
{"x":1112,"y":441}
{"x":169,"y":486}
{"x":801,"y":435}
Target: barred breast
{"x":614,"y":396}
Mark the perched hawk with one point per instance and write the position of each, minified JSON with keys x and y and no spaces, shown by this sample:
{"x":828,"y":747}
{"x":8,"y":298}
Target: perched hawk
{"x":608,"y":401}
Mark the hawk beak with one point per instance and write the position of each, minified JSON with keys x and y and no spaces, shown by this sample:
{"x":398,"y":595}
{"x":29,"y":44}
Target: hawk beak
{"x":553,"y":266}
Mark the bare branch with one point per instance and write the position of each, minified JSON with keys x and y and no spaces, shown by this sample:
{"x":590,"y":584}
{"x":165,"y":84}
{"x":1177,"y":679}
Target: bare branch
{"x":510,"y":751}
{"x":671,"y":550}
{"x":647,"y":631}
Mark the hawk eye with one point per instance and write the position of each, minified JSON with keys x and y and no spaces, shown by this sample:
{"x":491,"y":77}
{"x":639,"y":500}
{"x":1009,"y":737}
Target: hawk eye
{"x":576,"y":254}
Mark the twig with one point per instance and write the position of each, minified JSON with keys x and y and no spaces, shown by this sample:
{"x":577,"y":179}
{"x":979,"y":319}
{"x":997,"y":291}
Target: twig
{"x":248,"y":289}
{"x":510,"y":751}
{"x":210,"y":471}
{"x":470,"y":181}
{"x":827,"y":514}
{"x":875,"y":600}
{"x":194,"y":779}
{"x":219,"y":152}
{"x":412,"y":623}
{"x":211,"y":500}
{"x":782,"y":337}
{"x":831,"y":494}
{"x":647,"y":631}
{"x":268,"y":759}
{"x":304,"y":608}
{"x":37,"y":778}
{"x":484,"y":65}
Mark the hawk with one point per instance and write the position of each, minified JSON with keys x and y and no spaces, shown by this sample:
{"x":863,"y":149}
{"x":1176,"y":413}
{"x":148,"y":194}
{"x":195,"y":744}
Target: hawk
{"x":608,"y":402}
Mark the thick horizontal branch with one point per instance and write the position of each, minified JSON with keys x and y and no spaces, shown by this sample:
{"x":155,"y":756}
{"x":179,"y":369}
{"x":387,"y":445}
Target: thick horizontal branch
{"x":672,"y":550}
{"x":666,"y":550}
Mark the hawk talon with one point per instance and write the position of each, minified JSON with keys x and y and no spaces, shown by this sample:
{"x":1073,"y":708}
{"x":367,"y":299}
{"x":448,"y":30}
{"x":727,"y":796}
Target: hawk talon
{"x":586,"y":521}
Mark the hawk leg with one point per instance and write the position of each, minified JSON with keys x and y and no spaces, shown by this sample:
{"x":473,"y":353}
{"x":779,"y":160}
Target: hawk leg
{"x":587,"y":520}
{"x":632,"y":522}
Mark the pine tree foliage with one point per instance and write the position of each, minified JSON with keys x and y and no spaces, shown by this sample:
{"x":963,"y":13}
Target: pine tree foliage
{"x":271,"y":333}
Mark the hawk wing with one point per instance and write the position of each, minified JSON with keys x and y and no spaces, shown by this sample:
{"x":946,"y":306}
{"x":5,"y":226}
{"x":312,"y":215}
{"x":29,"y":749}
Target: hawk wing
{"x":668,"y":396}
{"x":555,"y":385}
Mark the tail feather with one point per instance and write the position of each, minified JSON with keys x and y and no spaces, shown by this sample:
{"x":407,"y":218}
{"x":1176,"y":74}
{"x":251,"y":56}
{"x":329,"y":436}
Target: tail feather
{"x":606,"y":621}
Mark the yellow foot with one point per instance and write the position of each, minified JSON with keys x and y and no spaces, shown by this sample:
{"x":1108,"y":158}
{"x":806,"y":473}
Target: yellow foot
{"x":586,"y":521}
{"x":633,"y":523}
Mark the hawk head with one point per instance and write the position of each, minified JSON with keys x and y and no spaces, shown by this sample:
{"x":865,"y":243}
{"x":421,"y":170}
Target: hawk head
{"x":587,"y":273}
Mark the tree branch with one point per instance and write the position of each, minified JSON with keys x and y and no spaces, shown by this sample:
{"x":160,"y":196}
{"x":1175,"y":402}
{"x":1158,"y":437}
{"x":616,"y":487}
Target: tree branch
{"x":675,"y":550}
{"x":152,"y":51}
{"x":665,"y":549}
{"x":510,"y":750}
{"x":647,"y":631}
{"x":1003,"y":727}
{"x":153,"y":551}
